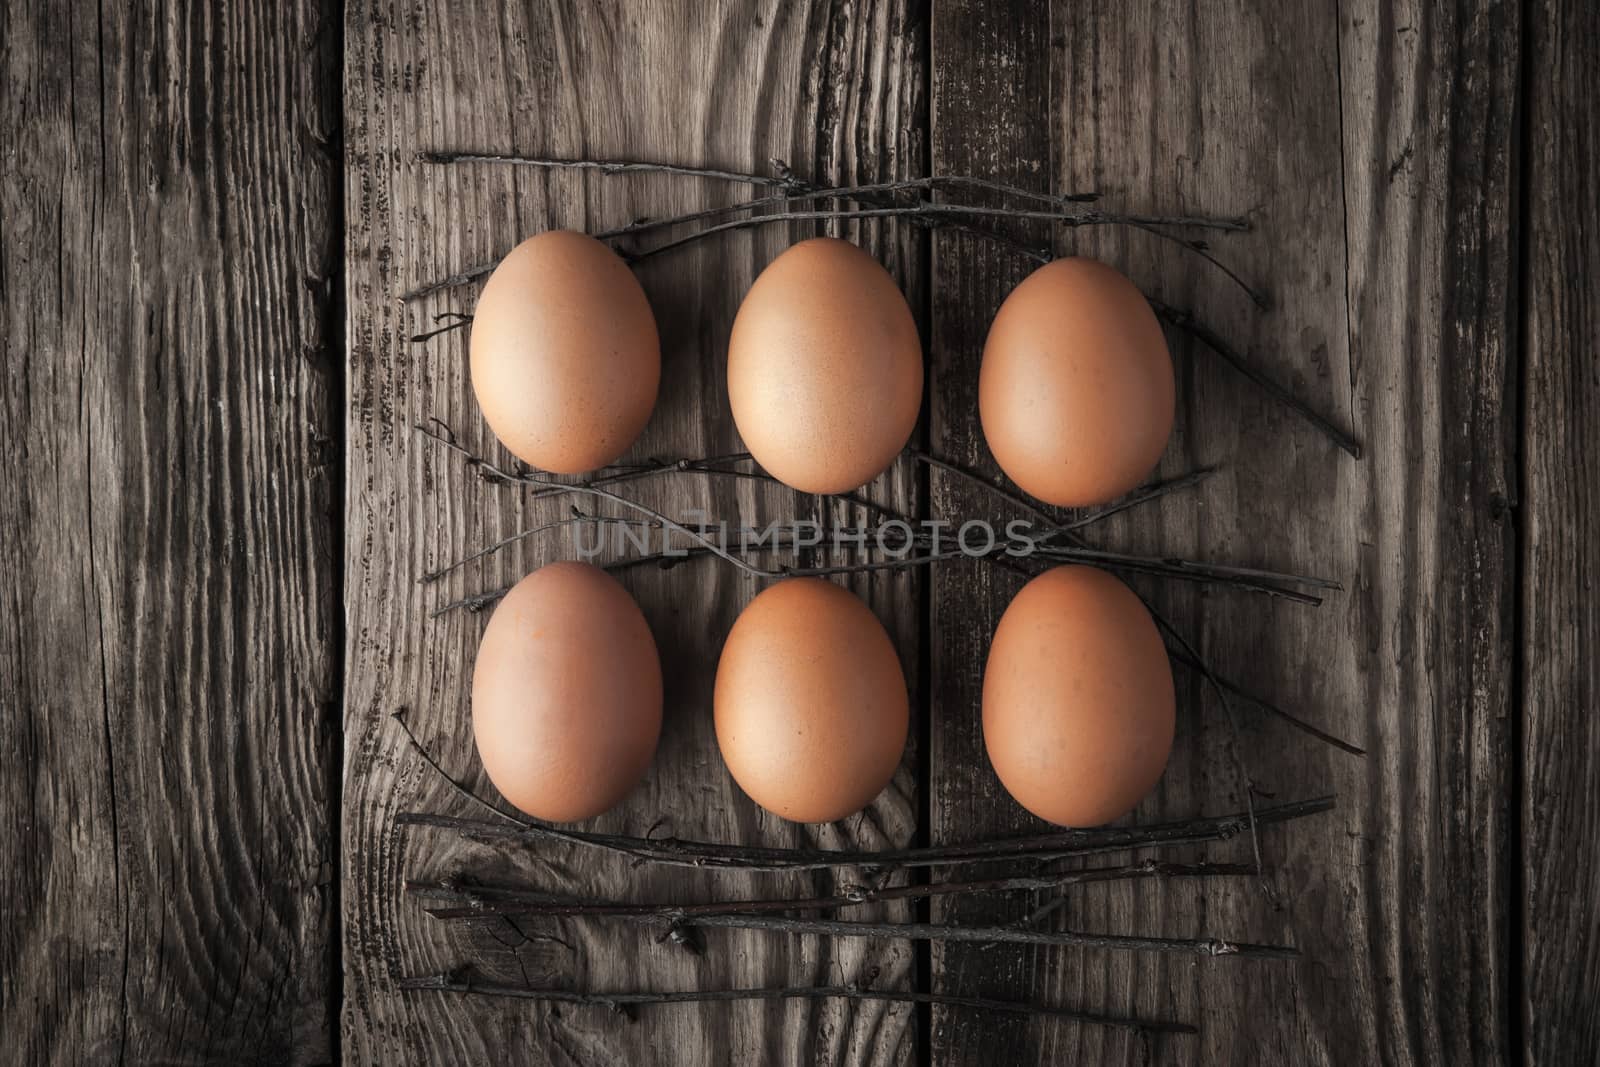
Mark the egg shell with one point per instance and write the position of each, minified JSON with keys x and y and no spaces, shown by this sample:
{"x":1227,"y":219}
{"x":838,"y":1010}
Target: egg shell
{"x":825,"y":368}
{"x":566,"y":693}
{"x":566,"y":360}
{"x":810,"y":702}
{"x":1075,"y":391}
{"x":1078,"y":703}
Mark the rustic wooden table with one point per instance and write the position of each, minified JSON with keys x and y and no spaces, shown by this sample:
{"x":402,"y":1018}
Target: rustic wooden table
{"x":216,"y":512}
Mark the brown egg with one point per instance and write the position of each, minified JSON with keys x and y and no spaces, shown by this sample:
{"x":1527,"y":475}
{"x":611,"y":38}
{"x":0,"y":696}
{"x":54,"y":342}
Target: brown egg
{"x":566,"y":693}
{"x":1075,"y":391}
{"x":811,"y":706}
{"x":565,"y":356}
{"x":1077,"y":698}
{"x":825,"y":368}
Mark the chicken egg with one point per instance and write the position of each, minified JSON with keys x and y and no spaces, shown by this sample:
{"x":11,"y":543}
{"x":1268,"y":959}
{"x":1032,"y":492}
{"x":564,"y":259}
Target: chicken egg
{"x":1078,"y":702}
{"x":1075,"y":391}
{"x":810,"y":702}
{"x":566,"y":693}
{"x":825,"y":368}
{"x":565,"y":356}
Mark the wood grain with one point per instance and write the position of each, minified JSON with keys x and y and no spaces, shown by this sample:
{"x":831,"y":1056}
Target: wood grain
{"x":1373,"y":148}
{"x":991,"y":91}
{"x":168,"y":662}
{"x":1560,"y":783}
{"x":836,"y":90}
{"x":170,"y":677}
{"x":1429,"y":107}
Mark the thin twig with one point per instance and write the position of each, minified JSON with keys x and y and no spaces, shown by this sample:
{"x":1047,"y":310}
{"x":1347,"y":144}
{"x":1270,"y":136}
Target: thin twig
{"x":1201,"y":249}
{"x":1186,"y":321}
{"x":617,"y":475}
{"x":1142,"y":495}
{"x":988,"y":935}
{"x":778,"y":181}
{"x":622,"y":1002}
{"x":458,"y":899}
{"x":1247,"y":782}
{"x":520,"y":535}
{"x":675,"y":851}
{"x":593,"y":489}
{"x":472,"y":603}
{"x":1270,"y":583}
{"x":1251,"y":579}
{"x":796,"y":190}
{"x":465,"y":276}
{"x":1178,"y":653}
{"x":923,"y":210}
{"x":1178,"y":567}
{"x":1244,"y":578}
{"x":877,"y":191}
{"x":1267,"y":583}
{"x":1016,"y":500}
{"x":459,"y":320}
{"x":398,"y":717}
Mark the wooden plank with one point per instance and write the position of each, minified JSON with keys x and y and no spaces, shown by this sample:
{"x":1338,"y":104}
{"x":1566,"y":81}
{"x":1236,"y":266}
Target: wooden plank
{"x":837,"y":91}
{"x":991,"y":88}
{"x":1561,"y":552}
{"x":1198,"y":115}
{"x":1429,"y":105}
{"x":1373,"y":150}
{"x":168,"y":650}
{"x":1115,"y":76}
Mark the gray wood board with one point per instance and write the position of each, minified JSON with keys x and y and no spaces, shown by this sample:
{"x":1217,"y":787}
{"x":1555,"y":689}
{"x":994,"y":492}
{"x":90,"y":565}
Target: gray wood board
{"x":171,"y":687}
{"x":169,"y":644}
{"x":1560,"y":639}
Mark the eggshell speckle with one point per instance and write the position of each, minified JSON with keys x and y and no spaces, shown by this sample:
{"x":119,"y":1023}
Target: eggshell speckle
{"x":565,"y":356}
{"x":1075,"y":392}
{"x":566,"y":693}
{"x":1078,"y":704}
{"x":810,"y":705}
{"x":825,"y":368}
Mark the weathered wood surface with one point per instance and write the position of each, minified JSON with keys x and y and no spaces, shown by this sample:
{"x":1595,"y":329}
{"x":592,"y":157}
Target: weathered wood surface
{"x":1560,"y":639}
{"x":1429,"y":104}
{"x":169,"y":642}
{"x":1374,"y":151}
{"x":990,"y":97}
{"x":836,"y":91}
{"x":174,"y":840}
